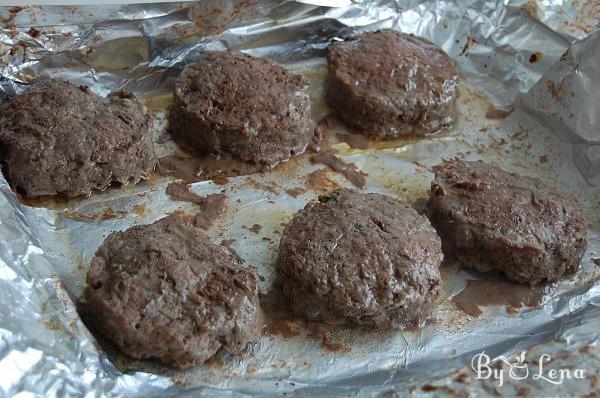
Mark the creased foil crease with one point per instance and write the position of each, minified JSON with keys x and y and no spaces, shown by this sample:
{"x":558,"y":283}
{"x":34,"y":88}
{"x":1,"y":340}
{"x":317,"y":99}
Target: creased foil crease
{"x":538,"y":59}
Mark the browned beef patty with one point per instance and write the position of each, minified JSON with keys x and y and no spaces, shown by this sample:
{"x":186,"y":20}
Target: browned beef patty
{"x":490,"y":219}
{"x":164,"y":291}
{"x":389,"y":84}
{"x":251,"y":108}
{"x":367,"y":259}
{"x":57,"y":138}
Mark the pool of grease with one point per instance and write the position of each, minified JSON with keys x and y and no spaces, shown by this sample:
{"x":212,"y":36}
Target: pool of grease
{"x":281,"y":322}
{"x":499,"y":293}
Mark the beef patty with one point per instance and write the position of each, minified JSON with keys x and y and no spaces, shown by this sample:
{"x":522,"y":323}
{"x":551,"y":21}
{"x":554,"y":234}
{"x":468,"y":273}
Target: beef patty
{"x":389,"y":84}
{"x":366,"y":259}
{"x":57,"y":138}
{"x":490,"y":219}
{"x":164,"y":291}
{"x":251,"y":108}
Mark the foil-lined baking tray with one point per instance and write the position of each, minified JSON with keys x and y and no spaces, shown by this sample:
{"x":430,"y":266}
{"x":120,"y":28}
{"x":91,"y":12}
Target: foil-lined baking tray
{"x":527,"y":102}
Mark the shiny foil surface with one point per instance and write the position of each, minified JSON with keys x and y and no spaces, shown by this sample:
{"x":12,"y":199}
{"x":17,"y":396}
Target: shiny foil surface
{"x":528,"y":101}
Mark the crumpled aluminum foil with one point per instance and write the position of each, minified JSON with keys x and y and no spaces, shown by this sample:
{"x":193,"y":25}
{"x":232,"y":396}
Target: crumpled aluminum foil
{"x":508,"y":52}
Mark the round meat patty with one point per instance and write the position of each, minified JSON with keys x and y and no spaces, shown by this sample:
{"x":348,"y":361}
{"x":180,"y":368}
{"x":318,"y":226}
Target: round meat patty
{"x":490,"y":219}
{"x":388,"y":84}
{"x":366,"y":259}
{"x":251,"y":108}
{"x":164,"y":291}
{"x":60,"y":139}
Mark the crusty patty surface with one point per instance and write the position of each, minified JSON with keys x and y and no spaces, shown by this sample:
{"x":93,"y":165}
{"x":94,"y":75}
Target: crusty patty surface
{"x":251,"y":108}
{"x":57,"y":138}
{"x":164,"y":291}
{"x":490,"y":219}
{"x":388,"y":84}
{"x":361,"y":258}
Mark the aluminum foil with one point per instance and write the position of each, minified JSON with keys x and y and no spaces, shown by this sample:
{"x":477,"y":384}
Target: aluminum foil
{"x":536,"y":59}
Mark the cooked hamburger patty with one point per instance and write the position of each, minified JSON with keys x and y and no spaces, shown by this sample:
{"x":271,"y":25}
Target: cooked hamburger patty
{"x":164,"y":291}
{"x":366,"y":259}
{"x":389,"y":84}
{"x":490,"y":219}
{"x":251,"y":108}
{"x":57,"y":138}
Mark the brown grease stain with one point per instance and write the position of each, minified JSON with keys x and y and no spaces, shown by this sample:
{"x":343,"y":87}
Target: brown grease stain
{"x":496,"y":114}
{"x":587,"y":17}
{"x":280,"y":327}
{"x":268,"y":186}
{"x":33,"y":32}
{"x":182,"y":193}
{"x":9,"y":22}
{"x":462,"y":378}
{"x":348,"y":170}
{"x":139,"y":209}
{"x":470,"y":41}
{"x":227,"y":242}
{"x":106,"y":214}
{"x":280,"y":321}
{"x":221,"y":180}
{"x":210,"y":206}
{"x":205,"y":168}
{"x":255,"y":228}
{"x":295,"y":192}
{"x":52,"y":324}
{"x":320,"y":182}
{"x":158,"y":101}
{"x":209,"y":19}
{"x":56,"y":202}
{"x":531,"y":8}
{"x":535,"y":57}
{"x":495,"y":293}
{"x":555,"y":90}
{"x":323,"y":334}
